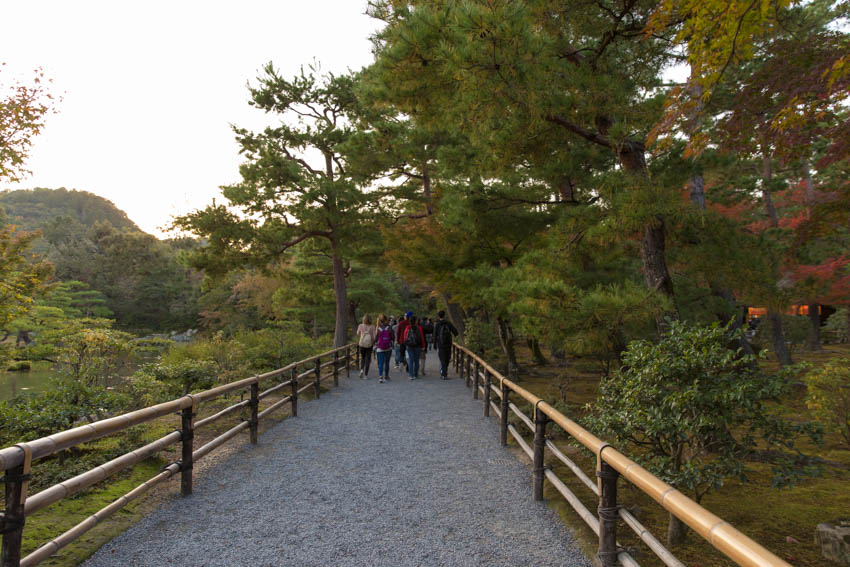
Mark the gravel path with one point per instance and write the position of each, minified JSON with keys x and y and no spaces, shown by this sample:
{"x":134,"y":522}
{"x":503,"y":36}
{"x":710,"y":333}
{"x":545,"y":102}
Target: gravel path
{"x":405,"y":473}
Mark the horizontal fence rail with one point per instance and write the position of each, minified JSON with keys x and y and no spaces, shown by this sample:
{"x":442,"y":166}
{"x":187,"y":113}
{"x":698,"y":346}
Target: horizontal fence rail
{"x":17,"y":460}
{"x":610,"y":465}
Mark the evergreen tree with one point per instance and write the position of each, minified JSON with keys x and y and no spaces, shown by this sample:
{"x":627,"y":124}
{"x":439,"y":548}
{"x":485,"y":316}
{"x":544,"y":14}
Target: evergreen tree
{"x":295,"y":185}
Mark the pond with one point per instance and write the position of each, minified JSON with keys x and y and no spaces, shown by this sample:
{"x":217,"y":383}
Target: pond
{"x":16,"y":383}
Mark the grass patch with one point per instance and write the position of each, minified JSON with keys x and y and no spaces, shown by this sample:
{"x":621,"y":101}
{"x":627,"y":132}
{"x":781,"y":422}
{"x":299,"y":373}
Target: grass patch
{"x":65,"y":514}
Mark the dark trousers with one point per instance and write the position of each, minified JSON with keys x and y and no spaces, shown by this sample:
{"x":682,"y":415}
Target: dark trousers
{"x":365,"y":359}
{"x":445,"y":355}
{"x":402,"y":351}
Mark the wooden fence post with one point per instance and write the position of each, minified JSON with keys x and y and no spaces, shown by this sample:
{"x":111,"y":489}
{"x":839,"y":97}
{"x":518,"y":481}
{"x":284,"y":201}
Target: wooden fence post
{"x":255,"y":406}
{"x":474,"y":385}
{"x":17,"y":481}
{"x":540,"y":421}
{"x":486,"y":390}
{"x":348,"y":362}
{"x":294,"y":400}
{"x":469,"y":365}
{"x":503,"y":420}
{"x":187,"y":435}
{"x":607,"y":552}
{"x":336,"y":368}
{"x":475,"y":368}
{"x":318,"y":376}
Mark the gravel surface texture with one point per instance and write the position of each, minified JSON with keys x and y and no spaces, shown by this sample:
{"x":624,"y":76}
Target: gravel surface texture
{"x":404,"y":473}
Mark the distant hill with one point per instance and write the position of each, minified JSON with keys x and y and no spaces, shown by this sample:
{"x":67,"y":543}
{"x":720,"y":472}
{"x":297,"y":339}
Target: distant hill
{"x":34,"y":209}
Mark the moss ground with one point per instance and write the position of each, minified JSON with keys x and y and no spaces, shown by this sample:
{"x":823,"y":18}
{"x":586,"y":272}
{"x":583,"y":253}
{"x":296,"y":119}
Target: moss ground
{"x":783,"y":520}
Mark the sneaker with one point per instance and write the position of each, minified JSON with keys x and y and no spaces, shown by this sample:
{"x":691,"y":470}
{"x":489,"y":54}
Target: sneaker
{"x":381,"y":380}
{"x":361,"y":374}
{"x":411,"y":378}
{"x":387,"y":378}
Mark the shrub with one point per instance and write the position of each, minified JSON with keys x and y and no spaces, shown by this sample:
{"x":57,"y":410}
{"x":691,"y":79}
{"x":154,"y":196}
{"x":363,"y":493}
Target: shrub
{"x":836,"y":330}
{"x":178,"y":377}
{"x":829,"y":395}
{"x":480,"y":336}
{"x":694,"y":410}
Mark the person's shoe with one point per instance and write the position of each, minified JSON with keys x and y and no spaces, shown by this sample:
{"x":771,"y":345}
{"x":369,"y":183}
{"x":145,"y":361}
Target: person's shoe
{"x":381,"y":380}
{"x":387,"y":378}
{"x":361,"y":374}
{"x":411,"y":378}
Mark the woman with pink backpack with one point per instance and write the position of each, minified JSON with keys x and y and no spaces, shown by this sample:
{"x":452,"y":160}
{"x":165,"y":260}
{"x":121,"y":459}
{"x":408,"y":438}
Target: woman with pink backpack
{"x":384,"y":347}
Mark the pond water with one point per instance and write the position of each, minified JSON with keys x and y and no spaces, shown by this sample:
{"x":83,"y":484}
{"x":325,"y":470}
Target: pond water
{"x":16,"y":383}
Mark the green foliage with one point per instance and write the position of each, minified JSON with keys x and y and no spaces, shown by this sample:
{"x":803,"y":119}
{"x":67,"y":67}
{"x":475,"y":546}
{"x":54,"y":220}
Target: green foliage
{"x":480,"y":336}
{"x":829,"y":395}
{"x":277,"y":345}
{"x":180,"y":377}
{"x":836,"y":330}
{"x":21,"y":279}
{"x":61,"y":213}
{"x":796,"y":329}
{"x":68,"y":402}
{"x":221,"y":351}
{"x":694,"y":410}
{"x":23,"y":108}
{"x":85,"y":350}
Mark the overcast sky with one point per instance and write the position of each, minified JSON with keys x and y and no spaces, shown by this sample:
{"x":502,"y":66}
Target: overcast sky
{"x":150,"y":88}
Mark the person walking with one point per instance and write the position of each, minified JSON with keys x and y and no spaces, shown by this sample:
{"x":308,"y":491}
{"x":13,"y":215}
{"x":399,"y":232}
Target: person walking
{"x":402,"y":332}
{"x":383,"y":347}
{"x":428,"y":329}
{"x":444,"y":333}
{"x":424,"y":323}
{"x":396,"y":346}
{"x":414,"y":341}
{"x":366,"y":332}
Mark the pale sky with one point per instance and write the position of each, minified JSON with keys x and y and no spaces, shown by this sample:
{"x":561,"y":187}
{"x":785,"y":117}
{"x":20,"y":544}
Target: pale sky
{"x":150,"y":88}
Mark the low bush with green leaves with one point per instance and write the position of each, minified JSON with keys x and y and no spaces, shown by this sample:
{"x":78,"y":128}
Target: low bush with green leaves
{"x":693,"y":411}
{"x":829,"y":395}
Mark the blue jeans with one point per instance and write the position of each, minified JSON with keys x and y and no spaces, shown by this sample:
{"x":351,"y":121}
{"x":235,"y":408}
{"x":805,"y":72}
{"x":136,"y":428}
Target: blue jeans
{"x":383,"y":362}
{"x":413,"y":361}
{"x":397,"y":353}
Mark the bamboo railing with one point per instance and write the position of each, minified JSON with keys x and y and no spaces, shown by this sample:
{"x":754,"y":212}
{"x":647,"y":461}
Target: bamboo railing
{"x":17,"y":460}
{"x":610,"y":465}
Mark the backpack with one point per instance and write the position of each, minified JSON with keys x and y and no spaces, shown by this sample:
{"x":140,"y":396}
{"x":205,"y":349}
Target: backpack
{"x":385,"y":339}
{"x":412,"y":338}
{"x":444,"y":336}
{"x":366,"y":339}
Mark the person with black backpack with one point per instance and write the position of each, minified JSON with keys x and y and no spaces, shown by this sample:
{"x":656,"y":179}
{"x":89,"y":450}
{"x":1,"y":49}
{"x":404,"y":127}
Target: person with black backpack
{"x":414,"y":340}
{"x":444,"y":333}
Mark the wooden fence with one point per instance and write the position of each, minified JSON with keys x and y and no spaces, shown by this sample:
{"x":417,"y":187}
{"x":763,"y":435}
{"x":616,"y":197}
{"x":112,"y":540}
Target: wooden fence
{"x":16,"y":461}
{"x":610,"y":465}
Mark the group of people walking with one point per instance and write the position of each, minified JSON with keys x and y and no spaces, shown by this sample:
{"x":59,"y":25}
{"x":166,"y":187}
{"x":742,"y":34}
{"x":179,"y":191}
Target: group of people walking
{"x":408,"y":339}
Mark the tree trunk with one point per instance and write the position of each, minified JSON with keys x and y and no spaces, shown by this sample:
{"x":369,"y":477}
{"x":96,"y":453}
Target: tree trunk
{"x":506,"y":340}
{"x":814,"y":332}
{"x":456,"y":316}
{"x":534,"y":345}
{"x":737,"y":320}
{"x":778,"y":337}
{"x":341,"y":293}
{"x":426,"y":186}
{"x":676,"y":531}
{"x":653,"y":240}
{"x":697,"y":191}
